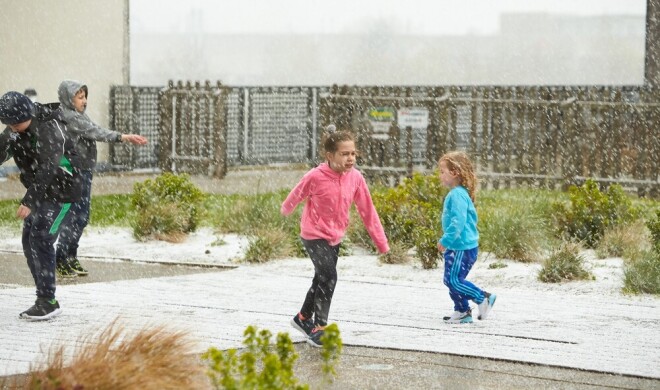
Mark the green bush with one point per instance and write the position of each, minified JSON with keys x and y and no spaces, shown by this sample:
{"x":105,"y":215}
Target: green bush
{"x":259,"y":366}
{"x":267,"y":245}
{"x":262,"y":365}
{"x":165,"y":221}
{"x":563,"y":265}
{"x":511,"y":232}
{"x":654,"y":227}
{"x":591,"y":212}
{"x":168,"y":205}
{"x":357,"y":233}
{"x":641,"y":275}
{"x":332,"y":346}
{"x":426,"y":247}
{"x":410,"y":214}
{"x":8,"y":215}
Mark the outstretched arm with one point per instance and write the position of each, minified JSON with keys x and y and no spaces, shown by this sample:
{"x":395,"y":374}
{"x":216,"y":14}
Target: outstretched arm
{"x":82,"y":126}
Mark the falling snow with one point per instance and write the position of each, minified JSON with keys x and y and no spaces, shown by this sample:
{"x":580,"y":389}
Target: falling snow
{"x":587,"y":324}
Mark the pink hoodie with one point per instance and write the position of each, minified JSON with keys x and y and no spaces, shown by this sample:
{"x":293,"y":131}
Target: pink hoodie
{"x":329,"y":196}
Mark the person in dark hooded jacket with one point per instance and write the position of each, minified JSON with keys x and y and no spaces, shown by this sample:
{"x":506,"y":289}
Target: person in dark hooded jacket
{"x":73,"y":103}
{"x":37,"y":139}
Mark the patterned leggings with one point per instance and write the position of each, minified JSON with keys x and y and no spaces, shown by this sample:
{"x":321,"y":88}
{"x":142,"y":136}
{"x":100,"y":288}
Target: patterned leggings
{"x":319,"y":296}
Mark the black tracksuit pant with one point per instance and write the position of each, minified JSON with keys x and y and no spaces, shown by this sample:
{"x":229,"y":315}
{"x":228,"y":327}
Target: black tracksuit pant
{"x":40,"y":230}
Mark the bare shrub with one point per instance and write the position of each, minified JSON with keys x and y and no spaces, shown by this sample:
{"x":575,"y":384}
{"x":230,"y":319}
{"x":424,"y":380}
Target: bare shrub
{"x":624,"y":241}
{"x":154,"y":358}
{"x":642,"y":274}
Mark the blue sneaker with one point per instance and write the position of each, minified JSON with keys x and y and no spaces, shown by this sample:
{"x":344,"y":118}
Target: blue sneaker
{"x":486,"y":305}
{"x":458,"y":317}
{"x":304,"y":326}
{"x":315,"y":337}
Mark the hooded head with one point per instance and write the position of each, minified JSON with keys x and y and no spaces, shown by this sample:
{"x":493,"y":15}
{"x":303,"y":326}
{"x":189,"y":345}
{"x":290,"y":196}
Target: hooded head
{"x":67,"y":94}
{"x":15,"y":108}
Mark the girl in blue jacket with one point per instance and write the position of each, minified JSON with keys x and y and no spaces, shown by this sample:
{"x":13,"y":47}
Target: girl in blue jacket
{"x":460,"y":239}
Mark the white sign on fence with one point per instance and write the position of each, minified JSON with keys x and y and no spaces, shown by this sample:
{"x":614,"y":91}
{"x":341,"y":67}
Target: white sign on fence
{"x":417,"y":118}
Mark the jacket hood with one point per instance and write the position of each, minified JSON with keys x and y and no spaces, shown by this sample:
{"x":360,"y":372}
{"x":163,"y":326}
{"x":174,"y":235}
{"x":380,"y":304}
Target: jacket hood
{"x":325,"y":168}
{"x":44,"y":112}
{"x":67,"y":91}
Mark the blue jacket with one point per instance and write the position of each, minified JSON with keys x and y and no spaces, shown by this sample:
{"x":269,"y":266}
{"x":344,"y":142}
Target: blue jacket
{"x":459,"y":221}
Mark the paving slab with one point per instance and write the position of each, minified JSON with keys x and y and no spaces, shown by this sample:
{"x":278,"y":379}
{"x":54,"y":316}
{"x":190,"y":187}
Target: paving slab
{"x":377,"y":312}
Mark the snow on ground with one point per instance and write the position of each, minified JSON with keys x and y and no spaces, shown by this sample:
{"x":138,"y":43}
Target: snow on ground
{"x":587,"y":324}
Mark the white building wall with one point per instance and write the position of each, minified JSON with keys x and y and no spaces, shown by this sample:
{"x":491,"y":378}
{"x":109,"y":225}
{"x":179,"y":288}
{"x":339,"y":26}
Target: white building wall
{"x":45,"y":42}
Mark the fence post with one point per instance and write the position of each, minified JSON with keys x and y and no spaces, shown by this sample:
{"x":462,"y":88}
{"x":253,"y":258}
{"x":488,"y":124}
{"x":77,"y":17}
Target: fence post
{"x":570,"y":144}
{"x":496,"y":121}
{"x":166,"y":108}
{"x":506,"y":134}
{"x":654,"y":149}
{"x":472,"y":148}
{"x":220,"y":133}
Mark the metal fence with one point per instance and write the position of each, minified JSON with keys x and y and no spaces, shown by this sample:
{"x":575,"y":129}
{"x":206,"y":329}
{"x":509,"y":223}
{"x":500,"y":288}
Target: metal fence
{"x":193,"y":135}
{"x":272,"y":124}
{"x":549,"y":136}
{"x":135,"y":110}
{"x":541,"y":135}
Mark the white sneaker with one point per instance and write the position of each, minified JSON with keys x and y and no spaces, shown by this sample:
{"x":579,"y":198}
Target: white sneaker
{"x":453,"y":316}
{"x":458,"y":317}
{"x":486,"y":305}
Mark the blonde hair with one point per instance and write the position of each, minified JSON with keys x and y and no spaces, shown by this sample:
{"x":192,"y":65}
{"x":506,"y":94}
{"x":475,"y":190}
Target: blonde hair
{"x":459,"y":163}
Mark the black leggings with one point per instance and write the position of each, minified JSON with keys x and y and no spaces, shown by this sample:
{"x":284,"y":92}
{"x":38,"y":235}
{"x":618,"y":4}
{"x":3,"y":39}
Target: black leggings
{"x":319,"y":296}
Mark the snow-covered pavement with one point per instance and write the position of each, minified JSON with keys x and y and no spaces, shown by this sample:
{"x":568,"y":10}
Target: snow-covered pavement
{"x":586,"y":325}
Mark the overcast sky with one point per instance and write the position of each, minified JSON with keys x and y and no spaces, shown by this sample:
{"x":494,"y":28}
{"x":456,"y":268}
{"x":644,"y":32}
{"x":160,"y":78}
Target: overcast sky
{"x":415,"y":17}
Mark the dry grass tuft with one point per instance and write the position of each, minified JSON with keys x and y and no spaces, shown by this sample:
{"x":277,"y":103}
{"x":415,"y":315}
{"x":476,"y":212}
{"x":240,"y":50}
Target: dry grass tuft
{"x":172,"y":237}
{"x":398,"y":254}
{"x":153,"y":358}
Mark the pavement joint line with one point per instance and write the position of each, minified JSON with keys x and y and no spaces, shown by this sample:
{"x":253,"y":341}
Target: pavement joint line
{"x":142,"y":261}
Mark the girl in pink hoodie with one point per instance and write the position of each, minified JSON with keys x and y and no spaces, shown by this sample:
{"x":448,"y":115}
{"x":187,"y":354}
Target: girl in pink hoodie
{"x":329,"y":191}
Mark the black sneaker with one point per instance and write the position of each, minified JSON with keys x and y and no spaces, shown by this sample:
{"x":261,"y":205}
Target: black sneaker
{"x":74,"y":264}
{"x":43,"y":309}
{"x":304,"y":326}
{"x":315,"y":338}
{"x":64,"y":270}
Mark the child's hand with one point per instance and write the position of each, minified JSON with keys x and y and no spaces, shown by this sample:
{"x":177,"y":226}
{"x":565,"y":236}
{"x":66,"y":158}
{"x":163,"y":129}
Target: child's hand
{"x":441,"y":248}
{"x":134,"y":139}
{"x":23,"y":212}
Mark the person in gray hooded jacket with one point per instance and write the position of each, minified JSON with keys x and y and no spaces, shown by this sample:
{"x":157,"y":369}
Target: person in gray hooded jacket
{"x":73,"y":103}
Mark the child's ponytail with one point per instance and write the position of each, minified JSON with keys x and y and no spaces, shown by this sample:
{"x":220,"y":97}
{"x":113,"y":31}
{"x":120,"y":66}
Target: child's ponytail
{"x":331,"y":137}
